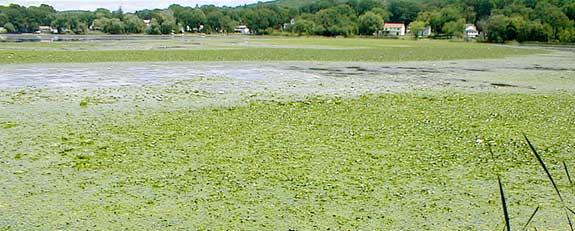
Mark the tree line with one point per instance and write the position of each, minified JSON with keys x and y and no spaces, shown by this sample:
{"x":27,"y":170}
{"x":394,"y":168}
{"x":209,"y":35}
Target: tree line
{"x":498,"y":20}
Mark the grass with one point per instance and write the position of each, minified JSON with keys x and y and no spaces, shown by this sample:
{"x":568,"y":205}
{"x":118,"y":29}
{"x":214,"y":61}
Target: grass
{"x":504,"y":205}
{"x":414,"y":161}
{"x":531,"y":218}
{"x":567,"y":210}
{"x":301,"y":49}
{"x":542,"y":163}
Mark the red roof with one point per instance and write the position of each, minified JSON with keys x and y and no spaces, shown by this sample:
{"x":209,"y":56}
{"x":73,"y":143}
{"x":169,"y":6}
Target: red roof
{"x":396,"y":23}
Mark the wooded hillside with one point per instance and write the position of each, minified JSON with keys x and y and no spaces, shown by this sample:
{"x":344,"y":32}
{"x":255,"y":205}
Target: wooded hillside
{"x":499,"y":20}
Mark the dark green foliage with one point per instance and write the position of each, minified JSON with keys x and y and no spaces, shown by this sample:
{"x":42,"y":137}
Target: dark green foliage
{"x":404,"y":11}
{"x":370,"y":23}
{"x":111,"y":26}
{"x":301,"y":26}
{"x":133,"y":24}
{"x":339,"y":20}
{"x":154,"y":28}
{"x":496,"y":28}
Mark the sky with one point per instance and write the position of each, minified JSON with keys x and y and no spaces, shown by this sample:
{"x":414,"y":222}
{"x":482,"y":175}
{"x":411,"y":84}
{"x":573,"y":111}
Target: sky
{"x":127,"y":5}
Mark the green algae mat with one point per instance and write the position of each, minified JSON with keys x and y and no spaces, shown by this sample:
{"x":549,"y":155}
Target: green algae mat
{"x":414,"y":161}
{"x":254,"y":49}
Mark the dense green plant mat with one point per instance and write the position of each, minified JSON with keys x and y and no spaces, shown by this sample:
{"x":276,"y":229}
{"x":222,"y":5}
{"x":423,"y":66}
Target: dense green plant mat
{"x":401,"y":161}
{"x":260,"y":49}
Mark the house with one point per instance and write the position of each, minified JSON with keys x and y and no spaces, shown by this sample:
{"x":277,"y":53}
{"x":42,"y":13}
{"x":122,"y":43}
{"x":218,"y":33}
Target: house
{"x":471,"y":31}
{"x":147,"y":22}
{"x":2,"y":30}
{"x":425,"y":33}
{"x":93,"y":27}
{"x":46,"y":30}
{"x":198,"y":29}
{"x":291,"y":22}
{"x":394,"y":28}
{"x":242,"y":30}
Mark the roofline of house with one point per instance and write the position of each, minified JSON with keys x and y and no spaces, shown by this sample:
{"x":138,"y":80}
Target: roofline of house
{"x":395,"y":23}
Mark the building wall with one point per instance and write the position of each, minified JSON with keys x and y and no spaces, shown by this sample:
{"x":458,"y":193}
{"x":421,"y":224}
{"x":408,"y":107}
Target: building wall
{"x":394,"y":29}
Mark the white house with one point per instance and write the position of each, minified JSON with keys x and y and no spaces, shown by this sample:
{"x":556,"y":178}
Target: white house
{"x":2,"y":30}
{"x":394,"y":28}
{"x":425,"y":33}
{"x":93,"y":27}
{"x":46,"y":29}
{"x":242,"y":30}
{"x":471,"y":31}
{"x":147,"y":22}
{"x":291,"y":22}
{"x":198,"y":29}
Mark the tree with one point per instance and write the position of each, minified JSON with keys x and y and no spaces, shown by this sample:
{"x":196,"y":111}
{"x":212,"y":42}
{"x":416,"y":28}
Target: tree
{"x":454,"y":28}
{"x":119,"y":14}
{"x":556,"y":18}
{"x":168,"y":27}
{"x":404,"y":11}
{"x":496,"y":28}
{"x":417,"y":27}
{"x":482,"y":8}
{"x":520,"y":27}
{"x":17,"y":17}
{"x":166,"y":21}
{"x":10,"y":28}
{"x":370,"y":23}
{"x":521,"y":20}
{"x":80,"y":28}
{"x":438,"y":18}
{"x":133,"y":24}
{"x":40,"y":15}
{"x":569,"y":10}
{"x":538,"y":31}
{"x":144,"y":14}
{"x":567,"y":35}
{"x":60,"y":24}
{"x":433,"y":19}
{"x":338,"y":20}
{"x":383,"y":13}
{"x":115,"y":26}
{"x":259,"y":19}
{"x":367,"y":5}
{"x":4,"y":18}
{"x":103,"y":13}
{"x":301,"y":26}
{"x":154,"y":28}
{"x":192,"y":18}
{"x":217,"y":21}
{"x":112,"y":26}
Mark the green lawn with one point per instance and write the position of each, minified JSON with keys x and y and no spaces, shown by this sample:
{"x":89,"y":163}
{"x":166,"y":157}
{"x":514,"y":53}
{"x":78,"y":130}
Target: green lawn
{"x":413,"y":161}
{"x":298,"y":49}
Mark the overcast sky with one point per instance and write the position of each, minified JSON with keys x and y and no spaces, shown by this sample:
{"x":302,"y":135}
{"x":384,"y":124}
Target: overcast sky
{"x":127,"y":5}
